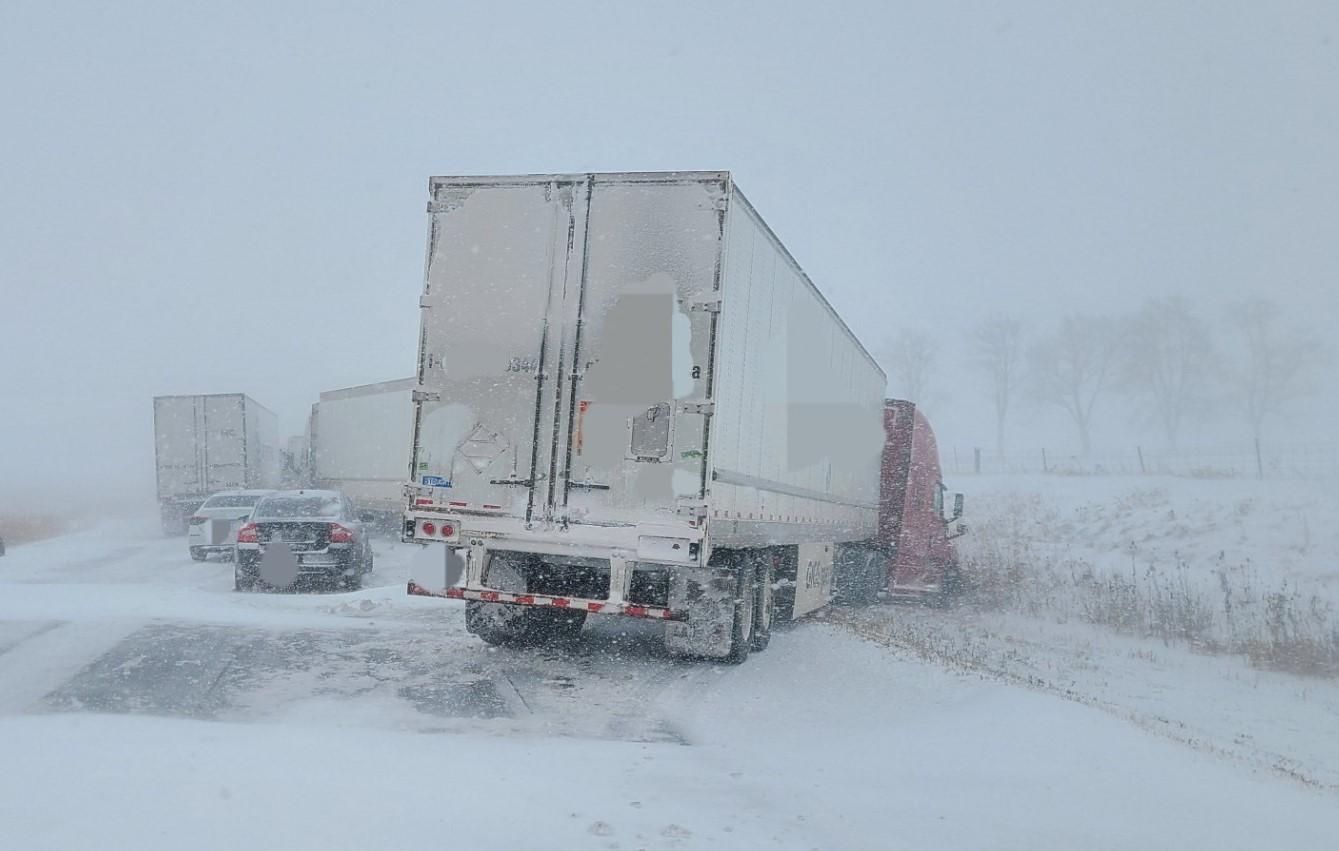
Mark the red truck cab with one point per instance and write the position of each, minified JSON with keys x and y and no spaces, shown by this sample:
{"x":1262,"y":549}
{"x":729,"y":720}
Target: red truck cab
{"x":915,"y":522}
{"x":915,"y":519}
{"x":912,"y":557}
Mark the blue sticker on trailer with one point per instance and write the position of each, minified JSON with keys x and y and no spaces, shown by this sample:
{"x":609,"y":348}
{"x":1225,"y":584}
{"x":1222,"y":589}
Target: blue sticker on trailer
{"x":436,"y":482}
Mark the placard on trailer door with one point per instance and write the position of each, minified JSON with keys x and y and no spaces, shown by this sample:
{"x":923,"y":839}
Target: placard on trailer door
{"x":501,"y":255}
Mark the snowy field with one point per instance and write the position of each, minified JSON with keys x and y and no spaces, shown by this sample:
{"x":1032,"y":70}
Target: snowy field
{"x":145,"y":704}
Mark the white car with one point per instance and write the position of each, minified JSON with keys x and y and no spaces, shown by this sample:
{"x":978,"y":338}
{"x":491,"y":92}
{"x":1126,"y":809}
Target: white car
{"x":213,"y":527}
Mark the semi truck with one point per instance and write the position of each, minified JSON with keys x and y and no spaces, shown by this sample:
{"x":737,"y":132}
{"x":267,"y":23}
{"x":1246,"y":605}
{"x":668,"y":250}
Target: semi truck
{"x":360,"y":443}
{"x":209,"y":443}
{"x":632,"y":400}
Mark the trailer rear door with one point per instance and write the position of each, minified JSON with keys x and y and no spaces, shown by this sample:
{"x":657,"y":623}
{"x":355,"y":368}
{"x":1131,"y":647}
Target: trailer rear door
{"x":501,"y":257}
{"x":176,"y":445}
{"x":634,"y":438}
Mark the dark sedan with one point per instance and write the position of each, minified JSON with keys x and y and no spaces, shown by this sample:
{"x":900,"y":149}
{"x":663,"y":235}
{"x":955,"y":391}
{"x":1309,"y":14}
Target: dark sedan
{"x":323,"y":535}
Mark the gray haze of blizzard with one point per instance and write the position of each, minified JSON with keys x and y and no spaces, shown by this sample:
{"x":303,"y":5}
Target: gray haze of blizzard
{"x":230,"y":197}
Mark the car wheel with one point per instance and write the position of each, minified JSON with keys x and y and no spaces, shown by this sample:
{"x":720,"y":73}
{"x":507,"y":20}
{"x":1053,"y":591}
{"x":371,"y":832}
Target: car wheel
{"x":198,"y":554}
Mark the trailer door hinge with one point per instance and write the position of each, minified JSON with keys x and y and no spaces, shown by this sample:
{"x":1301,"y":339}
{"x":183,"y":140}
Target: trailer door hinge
{"x":706,"y":409}
{"x":710,"y":304}
{"x":426,"y":396}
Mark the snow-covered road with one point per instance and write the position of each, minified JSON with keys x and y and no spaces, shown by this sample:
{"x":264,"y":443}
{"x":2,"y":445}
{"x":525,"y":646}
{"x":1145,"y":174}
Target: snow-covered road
{"x":145,"y":704}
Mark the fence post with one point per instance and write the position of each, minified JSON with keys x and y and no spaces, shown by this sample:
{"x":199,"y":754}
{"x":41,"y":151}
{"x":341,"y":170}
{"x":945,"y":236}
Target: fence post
{"x":1259,"y":461}
{"x":1044,"y":467}
{"x":1140,"y":450}
{"x":976,"y":462}
{"x":956,"y":467}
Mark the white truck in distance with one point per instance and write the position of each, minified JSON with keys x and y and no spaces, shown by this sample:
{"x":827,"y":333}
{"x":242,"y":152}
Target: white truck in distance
{"x":359,"y":438}
{"x":631,"y":400}
{"x":210,"y":443}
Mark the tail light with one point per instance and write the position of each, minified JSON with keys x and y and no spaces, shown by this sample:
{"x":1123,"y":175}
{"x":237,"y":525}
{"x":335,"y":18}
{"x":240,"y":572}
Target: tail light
{"x":429,"y":528}
{"x":247,"y":534}
{"x":340,"y":534}
{"x":447,"y":530}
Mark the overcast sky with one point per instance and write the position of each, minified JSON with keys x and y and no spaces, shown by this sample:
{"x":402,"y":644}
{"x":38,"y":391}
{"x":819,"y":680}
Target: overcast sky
{"x":230,"y":196}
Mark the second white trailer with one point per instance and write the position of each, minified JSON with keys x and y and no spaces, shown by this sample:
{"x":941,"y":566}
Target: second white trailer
{"x":632,"y":400}
{"x":360,"y":442}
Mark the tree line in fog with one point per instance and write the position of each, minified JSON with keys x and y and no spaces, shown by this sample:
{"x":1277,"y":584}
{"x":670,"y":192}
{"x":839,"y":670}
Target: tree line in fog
{"x":1166,"y":360}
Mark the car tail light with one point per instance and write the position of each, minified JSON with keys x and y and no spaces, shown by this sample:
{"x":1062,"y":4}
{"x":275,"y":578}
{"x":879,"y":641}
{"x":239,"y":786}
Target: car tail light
{"x":340,"y":534}
{"x":429,"y":528}
{"x":247,"y":534}
{"x":448,"y":529}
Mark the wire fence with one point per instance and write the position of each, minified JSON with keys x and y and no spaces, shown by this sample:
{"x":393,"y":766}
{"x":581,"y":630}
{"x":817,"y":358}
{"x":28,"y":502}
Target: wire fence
{"x":1244,"y":460}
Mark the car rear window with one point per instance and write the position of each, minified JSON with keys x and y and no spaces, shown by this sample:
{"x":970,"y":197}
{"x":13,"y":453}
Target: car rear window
{"x":299,"y":506}
{"x":231,"y":501}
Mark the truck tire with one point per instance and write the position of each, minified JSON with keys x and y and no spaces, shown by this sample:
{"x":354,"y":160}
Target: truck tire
{"x":741,"y":633}
{"x":764,"y":603}
{"x":950,"y":586}
{"x":861,"y":573}
{"x":198,"y":554}
{"x":506,"y":625}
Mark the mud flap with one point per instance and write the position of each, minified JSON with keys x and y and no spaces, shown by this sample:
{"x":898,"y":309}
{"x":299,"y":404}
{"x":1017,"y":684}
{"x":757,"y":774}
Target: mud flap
{"x":707,"y":596}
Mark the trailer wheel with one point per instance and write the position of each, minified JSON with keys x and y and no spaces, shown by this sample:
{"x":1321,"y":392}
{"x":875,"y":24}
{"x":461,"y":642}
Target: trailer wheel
{"x":741,"y":633}
{"x":950,"y":586}
{"x":521,"y":626}
{"x":763,"y":606}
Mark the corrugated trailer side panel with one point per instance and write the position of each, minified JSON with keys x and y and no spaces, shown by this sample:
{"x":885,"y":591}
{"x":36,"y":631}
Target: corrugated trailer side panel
{"x":797,"y":432}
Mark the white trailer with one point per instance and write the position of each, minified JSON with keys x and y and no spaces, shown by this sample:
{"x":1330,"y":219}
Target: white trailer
{"x":360,"y":443}
{"x":632,"y":400}
{"x":210,"y":443}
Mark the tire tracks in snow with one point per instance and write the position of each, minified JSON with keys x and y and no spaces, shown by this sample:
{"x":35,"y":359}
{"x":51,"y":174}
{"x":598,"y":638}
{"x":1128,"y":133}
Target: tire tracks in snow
{"x":975,"y":658}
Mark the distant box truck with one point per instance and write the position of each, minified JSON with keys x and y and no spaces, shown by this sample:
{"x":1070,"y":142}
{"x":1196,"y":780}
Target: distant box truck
{"x":205,"y":444}
{"x":631,"y":400}
{"x":360,"y":443}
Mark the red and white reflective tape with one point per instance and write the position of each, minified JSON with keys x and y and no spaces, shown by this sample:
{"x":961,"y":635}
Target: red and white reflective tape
{"x":454,"y":593}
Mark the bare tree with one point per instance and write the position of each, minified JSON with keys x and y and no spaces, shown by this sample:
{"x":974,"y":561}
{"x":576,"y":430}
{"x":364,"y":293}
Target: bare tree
{"x":910,"y":359}
{"x":996,"y":349}
{"x":1275,"y":367}
{"x":1167,"y":362}
{"x":1072,"y":368}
